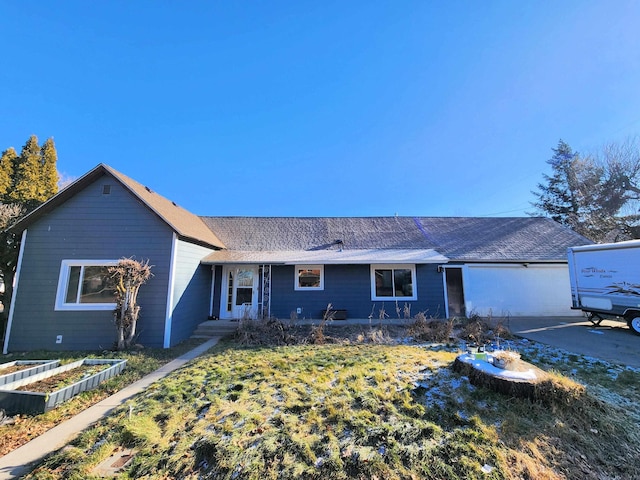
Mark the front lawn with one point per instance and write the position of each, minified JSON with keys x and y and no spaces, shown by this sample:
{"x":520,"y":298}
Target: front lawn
{"x":353,"y":411}
{"x":24,"y":428}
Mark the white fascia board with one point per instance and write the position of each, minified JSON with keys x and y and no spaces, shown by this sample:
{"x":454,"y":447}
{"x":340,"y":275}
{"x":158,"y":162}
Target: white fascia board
{"x":170,"y":292}
{"x":16,"y":280}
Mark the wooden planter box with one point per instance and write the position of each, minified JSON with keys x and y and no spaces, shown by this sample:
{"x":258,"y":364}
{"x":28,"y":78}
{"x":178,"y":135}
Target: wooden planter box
{"x":338,"y":314}
{"x":32,"y":367}
{"x":14,"y":402}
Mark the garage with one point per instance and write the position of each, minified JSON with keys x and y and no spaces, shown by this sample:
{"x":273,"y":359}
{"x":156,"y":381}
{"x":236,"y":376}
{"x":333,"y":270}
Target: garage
{"x":514,"y":289}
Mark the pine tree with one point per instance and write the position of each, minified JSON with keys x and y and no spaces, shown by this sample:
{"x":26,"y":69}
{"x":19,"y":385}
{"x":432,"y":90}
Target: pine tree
{"x":557,"y":197}
{"x":27,"y":175}
{"x":7,"y":162}
{"x":26,"y":181}
{"x":49,"y":177}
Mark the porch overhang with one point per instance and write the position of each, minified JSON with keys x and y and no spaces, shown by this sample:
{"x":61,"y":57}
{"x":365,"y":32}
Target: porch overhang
{"x":325,"y":257}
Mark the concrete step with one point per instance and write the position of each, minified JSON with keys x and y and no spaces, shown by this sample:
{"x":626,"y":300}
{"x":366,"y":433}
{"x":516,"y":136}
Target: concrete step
{"x":215,"y":328}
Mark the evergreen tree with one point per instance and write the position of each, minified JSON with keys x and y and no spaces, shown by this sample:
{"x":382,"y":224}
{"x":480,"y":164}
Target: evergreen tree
{"x":597,"y":195}
{"x":557,"y":197}
{"x":49,"y":174}
{"x":26,"y":181}
{"x":7,"y":162}
{"x":28,"y":176}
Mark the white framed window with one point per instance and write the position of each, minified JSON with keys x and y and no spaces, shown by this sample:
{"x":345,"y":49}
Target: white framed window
{"x":309,"y":277}
{"x":85,"y":285}
{"x":393,"y":282}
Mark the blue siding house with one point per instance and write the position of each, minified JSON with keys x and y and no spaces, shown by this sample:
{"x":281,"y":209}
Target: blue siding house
{"x":236,"y":267}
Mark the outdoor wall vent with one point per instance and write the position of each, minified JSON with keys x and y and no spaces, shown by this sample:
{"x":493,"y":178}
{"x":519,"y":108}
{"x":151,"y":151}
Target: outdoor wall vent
{"x":106,"y":189}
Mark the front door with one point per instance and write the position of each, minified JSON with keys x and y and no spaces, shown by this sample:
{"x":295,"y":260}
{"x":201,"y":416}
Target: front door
{"x":240,"y":292}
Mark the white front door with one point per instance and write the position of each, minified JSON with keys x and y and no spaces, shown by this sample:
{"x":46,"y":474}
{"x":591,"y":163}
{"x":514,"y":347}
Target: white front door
{"x":239,"y":296}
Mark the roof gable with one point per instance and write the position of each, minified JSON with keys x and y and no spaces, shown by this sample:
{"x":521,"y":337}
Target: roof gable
{"x":184,"y":223}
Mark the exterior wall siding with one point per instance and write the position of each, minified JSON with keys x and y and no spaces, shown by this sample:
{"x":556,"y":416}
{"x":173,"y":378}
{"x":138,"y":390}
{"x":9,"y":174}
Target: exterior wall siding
{"x":191,"y":290}
{"x":349,"y":287}
{"x":89,"y":226}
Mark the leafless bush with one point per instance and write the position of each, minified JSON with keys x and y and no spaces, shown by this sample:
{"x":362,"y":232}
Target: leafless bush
{"x":430,"y":330}
{"x":128,"y":276}
{"x":270,"y":331}
{"x":317,"y":335}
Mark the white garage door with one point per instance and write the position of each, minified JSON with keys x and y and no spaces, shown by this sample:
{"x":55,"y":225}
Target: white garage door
{"x":518,"y":290}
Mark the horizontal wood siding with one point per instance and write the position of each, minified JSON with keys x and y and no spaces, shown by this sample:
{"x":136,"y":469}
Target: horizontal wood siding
{"x":89,"y":226}
{"x":349,"y":287}
{"x":191,"y":291}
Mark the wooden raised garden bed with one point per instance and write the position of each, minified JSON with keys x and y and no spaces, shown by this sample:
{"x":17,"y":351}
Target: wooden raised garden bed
{"x":41,"y":392}
{"x":19,"y":369}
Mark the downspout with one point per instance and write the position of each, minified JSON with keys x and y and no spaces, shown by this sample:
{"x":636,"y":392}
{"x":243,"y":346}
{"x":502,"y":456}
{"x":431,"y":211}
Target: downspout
{"x":170,"y":293}
{"x":16,"y":280}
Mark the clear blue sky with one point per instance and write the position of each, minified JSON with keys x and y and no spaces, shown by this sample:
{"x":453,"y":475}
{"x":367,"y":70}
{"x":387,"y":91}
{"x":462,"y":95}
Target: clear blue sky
{"x":322,"y":108}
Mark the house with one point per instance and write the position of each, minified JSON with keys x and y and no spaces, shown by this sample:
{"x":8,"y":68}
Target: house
{"x":234,"y":267}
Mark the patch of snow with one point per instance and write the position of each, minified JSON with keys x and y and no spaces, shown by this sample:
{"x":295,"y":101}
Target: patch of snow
{"x":488,"y":368}
{"x":486,"y":468}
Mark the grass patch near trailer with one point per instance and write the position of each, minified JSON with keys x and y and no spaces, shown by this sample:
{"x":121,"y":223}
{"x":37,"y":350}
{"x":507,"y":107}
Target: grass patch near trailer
{"x":351,"y":412}
{"x":24,"y":428}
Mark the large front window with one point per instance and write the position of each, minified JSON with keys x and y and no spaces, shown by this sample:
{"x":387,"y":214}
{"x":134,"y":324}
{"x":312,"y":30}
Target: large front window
{"x":85,"y":285}
{"x":391,"y":282}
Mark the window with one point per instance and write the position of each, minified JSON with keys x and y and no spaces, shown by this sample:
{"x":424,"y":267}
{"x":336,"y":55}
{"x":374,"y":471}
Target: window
{"x":309,"y":277}
{"x":85,"y":285}
{"x":391,"y":282}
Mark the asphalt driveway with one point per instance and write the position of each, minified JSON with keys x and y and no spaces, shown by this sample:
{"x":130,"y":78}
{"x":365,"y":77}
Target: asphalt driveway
{"x":611,"y":341}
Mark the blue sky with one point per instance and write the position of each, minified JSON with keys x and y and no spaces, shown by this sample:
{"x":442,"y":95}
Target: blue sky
{"x":332,"y":108}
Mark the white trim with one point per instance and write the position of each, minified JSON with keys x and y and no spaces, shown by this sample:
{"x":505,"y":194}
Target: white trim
{"x":170,"y":293}
{"x":325,"y":257}
{"x":442,"y":269}
{"x":234,"y":313}
{"x":463,"y":271}
{"x":213,"y":284}
{"x":296,"y":283}
{"x":63,"y":283}
{"x":16,"y":281}
{"x":392,"y":266}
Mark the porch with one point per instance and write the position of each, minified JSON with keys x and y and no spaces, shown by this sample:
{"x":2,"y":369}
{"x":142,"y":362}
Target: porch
{"x":221,"y":328}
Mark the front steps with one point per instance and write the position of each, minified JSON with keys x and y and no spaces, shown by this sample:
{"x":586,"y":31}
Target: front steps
{"x":215,"y":328}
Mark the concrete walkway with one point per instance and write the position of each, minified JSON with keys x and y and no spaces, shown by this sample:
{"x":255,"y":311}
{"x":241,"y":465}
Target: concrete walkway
{"x":24,"y":459}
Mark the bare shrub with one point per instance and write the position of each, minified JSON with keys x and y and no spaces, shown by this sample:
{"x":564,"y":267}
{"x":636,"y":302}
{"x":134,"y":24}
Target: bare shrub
{"x":269,"y":331}
{"x":128,"y":276}
{"x":378,"y":336}
{"x":430,"y":330}
{"x":317,"y":335}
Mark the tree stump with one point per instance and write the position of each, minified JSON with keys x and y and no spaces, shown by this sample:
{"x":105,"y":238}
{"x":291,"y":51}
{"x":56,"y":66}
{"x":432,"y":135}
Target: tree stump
{"x":521,"y":380}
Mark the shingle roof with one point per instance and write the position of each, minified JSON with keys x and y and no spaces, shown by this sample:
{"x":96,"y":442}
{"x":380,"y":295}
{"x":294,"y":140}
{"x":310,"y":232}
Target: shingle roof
{"x":458,"y":238}
{"x":501,"y":239}
{"x":307,"y":233}
{"x":184,"y":223}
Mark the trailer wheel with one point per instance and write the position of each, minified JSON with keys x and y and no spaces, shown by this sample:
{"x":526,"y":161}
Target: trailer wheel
{"x":633,"y":321}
